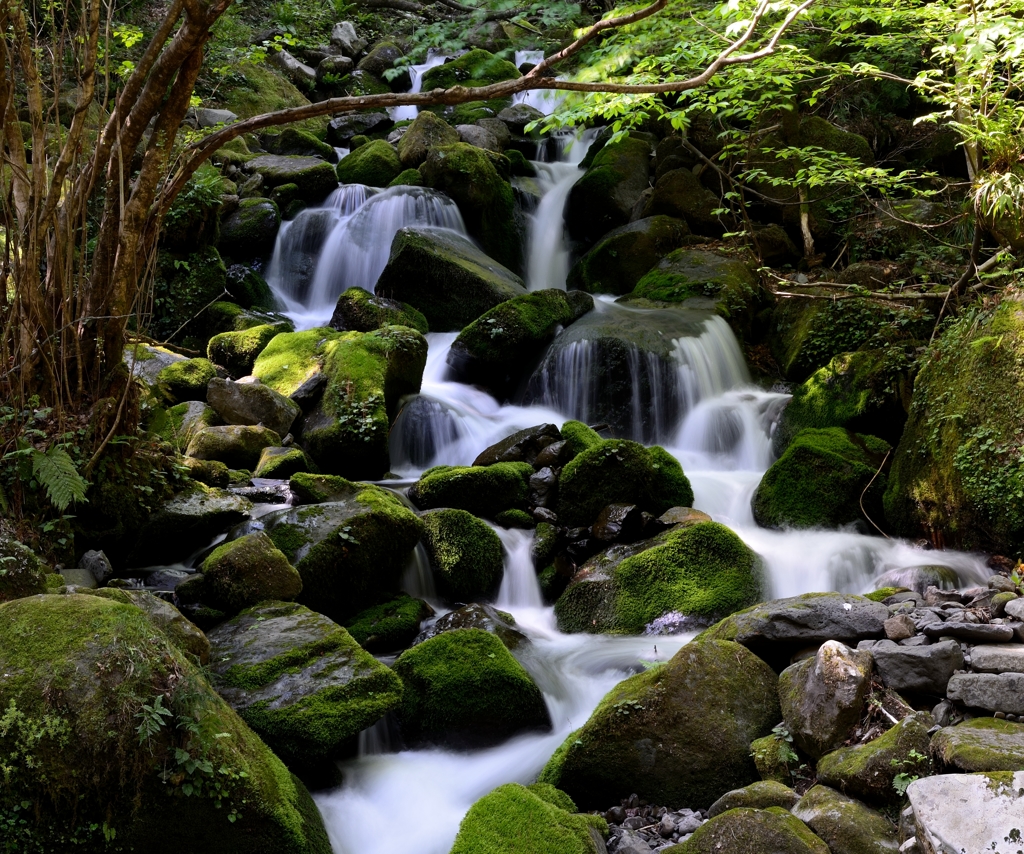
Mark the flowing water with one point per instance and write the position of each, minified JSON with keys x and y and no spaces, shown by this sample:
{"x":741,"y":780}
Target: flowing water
{"x":416,"y":72}
{"x":699,"y":404}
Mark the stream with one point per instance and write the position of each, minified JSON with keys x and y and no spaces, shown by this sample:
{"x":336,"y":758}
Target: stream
{"x":712,"y":419}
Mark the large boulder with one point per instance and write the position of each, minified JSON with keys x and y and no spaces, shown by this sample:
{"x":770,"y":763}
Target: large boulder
{"x":604,"y":197}
{"x":955,"y":475}
{"x":22,"y":571}
{"x":360,"y":311}
{"x":463,"y":688}
{"x":758,"y":796}
{"x":537,"y":819}
{"x":244,"y":572}
{"x":823,"y":480}
{"x":390,"y":626}
{"x":994,"y":692}
{"x":375,"y":164}
{"x":426,"y":132}
{"x":236,"y":351}
{"x":482,"y":490}
{"x":299,"y":680}
{"x":314,"y":179}
{"x":845,"y":825}
{"x":93,"y":684}
{"x":502,"y":345}
{"x":237,"y":446}
{"x":679,"y":193}
{"x":251,"y":403}
{"x":250,"y":230}
{"x":916,"y":669}
{"x":677,"y":734}
{"x":475,"y":68}
{"x":181,"y":631}
{"x":984,"y":744}
{"x":702,"y":570}
{"x":446,"y":277}
{"x":186,"y":380}
{"x":622,"y":257}
{"x":478,"y":182}
{"x":773,"y":829}
{"x":350,"y":552}
{"x":465,"y":554}
{"x":365,"y":374}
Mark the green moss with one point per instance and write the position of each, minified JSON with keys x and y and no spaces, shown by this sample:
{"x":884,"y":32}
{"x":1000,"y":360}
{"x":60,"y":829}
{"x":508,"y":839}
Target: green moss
{"x":515,"y":519}
{"x":289,"y":538}
{"x":243,"y":572}
{"x":389,"y":626}
{"x":773,"y":754}
{"x":475,"y":68}
{"x":464,"y":687}
{"x":375,"y":164}
{"x":884,"y":593}
{"x":983,"y":744}
{"x":363,"y":312}
{"x":579,"y":436}
{"x":312,"y":488}
{"x":465,"y":553}
{"x":773,"y":829}
{"x":296,"y":141}
{"x":524,"y":820}
{"x":482,"y":490}
{"x":819,"y":481}
{"x":261,"y":91}
{"x":623,"y":472}
{"x":22,"y":572}
{"x":290,"y":359}
{"x":407,"y":178}
{"x":186,"y":380}
{"x":237,"y":351}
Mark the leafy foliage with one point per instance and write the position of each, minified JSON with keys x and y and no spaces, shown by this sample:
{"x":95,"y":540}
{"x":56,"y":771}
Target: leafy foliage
{"x":56,"y":472}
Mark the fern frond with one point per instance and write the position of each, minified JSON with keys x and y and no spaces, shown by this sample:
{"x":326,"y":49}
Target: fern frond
{"x":56,"y":471}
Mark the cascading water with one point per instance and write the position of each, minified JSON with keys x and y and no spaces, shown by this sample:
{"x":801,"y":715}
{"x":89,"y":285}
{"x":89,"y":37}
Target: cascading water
{"x":545,"y":100}
{"x":416,"y":72}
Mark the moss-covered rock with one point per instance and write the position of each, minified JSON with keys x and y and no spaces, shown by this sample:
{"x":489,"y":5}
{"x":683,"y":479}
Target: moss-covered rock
{"x":501,"y":624}
{"x":249,"y":289}
{"x":426,"y":131}
{"x":243,"y":572}
{"x":236,"y":352}
{"x":250,"y":230}
{"x":296,"y":142}
{"x":478,"y":182}
{"x":309,"y":488}
{"x":579,"y":437}
{"x":186,"y":380}
{"x":820,"y":481}
{"x":499,"y":347}
{"x":476,"y":68}
{"x":845,"y":825}
{"x":180,"y":423}
{"x":482,"y":490}
{"x":617,"y":471}
{"x":983,"y":744}
{"x":465,"y":554}
{"x":677,"y":734}
{"x":300,"y":680}
{"x":622,"y":257}
{"x":537,"y":819}
{"x":181,"y":631}
{"x":464,"y":688}
{"x":361,"y":311}
{"x":282,"y":463}
{"x":313,"y":178}
{"x":957,"y":471}
{"x":867,"y":771}
{"x":82,"y":672}
{"x":446,"y":277}
{"x":350,"y":551}
{"x":375,"y":164}
{"x":407,"y":178}
{"x":237,"y":446}
{"x":22,"y":571}
{"x":774,"y":757}
{"x":758,"y":796}
{"x":679,"y":193}
{"x":701,"y":570}
{"x":389,"y":626}
{"x":773,"y":829}
{"x":604,"y":197}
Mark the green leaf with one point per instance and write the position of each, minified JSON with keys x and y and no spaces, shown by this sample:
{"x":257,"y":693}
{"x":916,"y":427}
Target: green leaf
{"x":56,"y":471}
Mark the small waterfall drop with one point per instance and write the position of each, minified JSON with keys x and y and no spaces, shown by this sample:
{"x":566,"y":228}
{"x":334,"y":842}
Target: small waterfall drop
{"x":416,"y":72}
{"x":545,"y":100}
{"x":519,"y":587}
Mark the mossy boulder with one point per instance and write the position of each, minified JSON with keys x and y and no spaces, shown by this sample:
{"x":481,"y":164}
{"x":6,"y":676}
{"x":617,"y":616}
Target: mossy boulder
{"x":249,"y":289}
{"x":426,"y":131}
{"x":679,"y":193}
{"x":310,"y":488}
{"x":446,"y":277}
{"x":482,"y":490}
{"x":244,"y":572}
{"x":297,"y":142}
{"x":702,"y":570}
{"x":478,"y":182}
{"x":867,"y":771}
{"x":282,"y":463}
{"x":250,"y":230}
{"x":537,"y":819}
{"x":846,"y":825}
{"x":773,"y":829}
{"x":956,"y":473}
{"x":346,"y":432}
{"x":314,"y":179}
{"x":604,"y":197}
{"x":501,"y":624}
{"x":676,"y":734}
{"x":257,"y":89}
{"x":360,"y":311}
{"x":299,"y":680}
{"x":183,"y":288}
{"x":389,"y":626}
{"x":186,"y":380}
{"x":81,"y":672}
{"x":983,"y":744}
{"x":237,"y":446}
{"x":820,"y":481}
{"x":476,"y":68}
{"x":775,"y":758}
{"x":375,"y":164}
{"x":622,"y":257}
{"x":350,"y":552}
{"x":618,"y":471}
{"x":178,"y":424}
{"x":181,"y":631}
{"x":465,"y":554}
{"x":498,"y":348}
{"x":22,"y":571}
{"x":407,"y":178}
{"x":758,"y":796}
{"x":579,"y":437}
{"x":236,"y":352}
{"x":463,"y":688}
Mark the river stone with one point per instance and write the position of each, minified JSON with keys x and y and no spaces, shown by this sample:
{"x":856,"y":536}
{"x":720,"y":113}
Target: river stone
{"x":389,"y":626}
{"x":677,"y":734}
{"x":846,"y":826}
{"x":476,"y":616}
{"x":299,"y":680}
{"x":773,"y":829}
{"x":465,"y":554}
{"x":146,"y":361}
{"x":604,"y":197}
{"x":237,"y":446}
{"x":803,"y":621}
{"x":917,"y":669}
{"x":314,"y":179}
{"x":823,"y":697}
{"x":988,"y":808}
{"x":919,"y":578}
{"x":867,"y":771}
{"x":998,"y":658}
{"x":1015,"y":608}
{"x":481,"y":490}
{"x":251,"y":403}
{"x":523,"y":446}
{"x":340,"y":130}
{"x":758,"y":796}
{"x":680,"y":194}
{"x":281,"y":463}
{"x":446,"y":277}
{"x":974,"y":632}
{"x":996,"y":692}
{"x":426,"y":131}
{"x":182,"y":632}
{"x":983,"y":744}
{"x":243,"y":572}
{"x":186,"y":523}
{"x":24,"y":572}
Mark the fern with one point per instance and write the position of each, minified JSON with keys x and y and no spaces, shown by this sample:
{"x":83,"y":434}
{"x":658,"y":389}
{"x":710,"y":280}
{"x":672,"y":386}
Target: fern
{"x":56,"y":471}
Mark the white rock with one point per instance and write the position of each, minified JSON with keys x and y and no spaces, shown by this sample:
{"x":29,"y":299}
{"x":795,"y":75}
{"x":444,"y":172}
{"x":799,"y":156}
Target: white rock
{"x":955,"y":813}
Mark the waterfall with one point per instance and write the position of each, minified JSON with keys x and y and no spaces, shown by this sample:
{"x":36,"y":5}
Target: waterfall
{"x":519,"y":587}
{"x":416,"y":72}
{"x":545,"y":100}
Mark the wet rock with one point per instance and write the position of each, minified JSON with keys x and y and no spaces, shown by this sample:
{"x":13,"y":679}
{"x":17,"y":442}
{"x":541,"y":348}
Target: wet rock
{"x":251,"y":403}
{"x":246,"y":571}
{"x":314,"y":179}
{"x":975,"y":632}
{"x":465,"y":554}
{"x":237,"y":446}
{"x":340,"y":130}
{"x":916,"y":669}
{"x":737,"y":830}
{"x":987,"y":809}
{"x":481,"y":490}
{"x":767,"y":793}
{"x":604,"y":197}
{"x":555,"y":455}
{"x":1015,"y":608}
{"x":984,"y":744}
{"x":476,"y":616}
{"x":521,"y":447}
{"x":996,"y":692}
{"x":618,"y":523}
{"x":362,"y":311}
{"x":844,"y":824}
{"x":283,"y":463}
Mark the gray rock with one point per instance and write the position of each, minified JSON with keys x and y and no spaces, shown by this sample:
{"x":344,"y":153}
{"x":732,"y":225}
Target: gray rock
{"x":315,"y":178}
{"x":252,"y":403}
{"x":336,"y":65}
{"x":297,"y":71}
{"x":518,"y":116}
{"x":996,"y":692}
{"x":345,"y":38}
{"x":146,"y":361}
{"x":207,"y":118}
{"x":847,"y":826}
{"x":631,"y":842}
{"x":918,"y":669}
{"x":984,"y":744}
{"x":498,"y":129}
{"x":341,"y":129}
{"x":823,"y":697}
{"x":983,"y":632}
{"x":900,"y":627}
{"x":761,"y":795}
{"x":237,"y":446}
{"x":1015,"y":608}
{"x":1002,"y":584}
{"x":998,"y":658}
{"x":985,"y":812}
{"x":98,"y":564}
{"x":476,"y":616}
{"x":919,"y":578}
{"x":479,"y":137}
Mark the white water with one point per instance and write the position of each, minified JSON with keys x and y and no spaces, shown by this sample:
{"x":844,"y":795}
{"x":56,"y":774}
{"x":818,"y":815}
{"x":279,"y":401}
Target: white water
{"x":545,"y":100}
{"x":416,"y":72}
{"x":707,"y":415}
